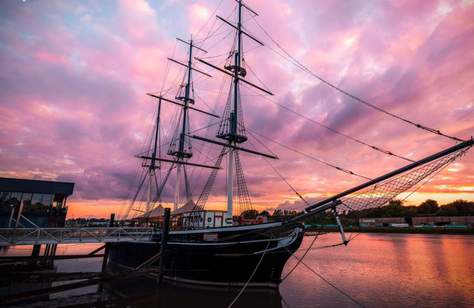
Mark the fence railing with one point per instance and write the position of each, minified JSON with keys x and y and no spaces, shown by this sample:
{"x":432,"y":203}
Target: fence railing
{"x":31,"y":236}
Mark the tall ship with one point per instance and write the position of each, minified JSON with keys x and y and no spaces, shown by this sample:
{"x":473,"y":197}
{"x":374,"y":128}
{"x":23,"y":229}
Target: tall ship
{"x":228,"y":244}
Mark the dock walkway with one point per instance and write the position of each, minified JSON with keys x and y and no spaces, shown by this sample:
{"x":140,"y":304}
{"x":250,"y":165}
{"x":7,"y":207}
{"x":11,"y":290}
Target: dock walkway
{"x":37,"y":236}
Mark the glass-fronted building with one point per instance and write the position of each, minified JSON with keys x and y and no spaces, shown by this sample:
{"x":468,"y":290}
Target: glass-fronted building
{"x":31,"y":203}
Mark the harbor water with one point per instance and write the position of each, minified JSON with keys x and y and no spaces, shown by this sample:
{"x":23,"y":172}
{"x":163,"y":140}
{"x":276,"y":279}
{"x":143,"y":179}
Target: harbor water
{"x":374,"y":270}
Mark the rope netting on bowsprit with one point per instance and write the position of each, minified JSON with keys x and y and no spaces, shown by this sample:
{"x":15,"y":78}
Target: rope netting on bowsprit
{"x":382,"y":192}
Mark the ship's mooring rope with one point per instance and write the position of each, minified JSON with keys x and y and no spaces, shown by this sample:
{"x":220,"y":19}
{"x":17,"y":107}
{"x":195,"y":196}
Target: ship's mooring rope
{"x":285,"y":302}
{"x":300,"y":261}
{"x":304,"y":254}
{"x":250,"y":278}
{"x":331,"y":284}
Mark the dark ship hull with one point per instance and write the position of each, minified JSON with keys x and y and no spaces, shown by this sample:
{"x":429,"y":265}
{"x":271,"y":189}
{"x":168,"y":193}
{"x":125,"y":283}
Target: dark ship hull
{"x":219,"y":257}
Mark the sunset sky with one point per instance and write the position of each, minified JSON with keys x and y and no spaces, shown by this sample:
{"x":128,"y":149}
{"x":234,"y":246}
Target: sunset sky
{"x":74,"y":75}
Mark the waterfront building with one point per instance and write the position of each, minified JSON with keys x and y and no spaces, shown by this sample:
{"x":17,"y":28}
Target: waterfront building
{"x":33,"y":203}
{"x":418,"y":221}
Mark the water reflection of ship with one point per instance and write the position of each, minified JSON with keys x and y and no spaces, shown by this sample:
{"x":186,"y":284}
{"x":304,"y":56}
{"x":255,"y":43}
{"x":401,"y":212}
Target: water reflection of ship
{"x":17,"y":280}
{"x":144,"y":292}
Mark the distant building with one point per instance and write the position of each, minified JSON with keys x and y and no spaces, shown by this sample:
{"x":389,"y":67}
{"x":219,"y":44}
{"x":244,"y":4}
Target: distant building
{"x":444,"y":220}
{"x":381,"y":221}
{"x":467,"y":221}
{"x":31,"y":203}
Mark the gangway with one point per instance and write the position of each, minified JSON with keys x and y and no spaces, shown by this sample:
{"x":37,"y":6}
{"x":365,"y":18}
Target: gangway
{"x":72,"y":235}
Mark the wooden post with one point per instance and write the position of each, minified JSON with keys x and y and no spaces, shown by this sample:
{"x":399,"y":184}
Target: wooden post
{"x":36,"y":251}
{"x":47,"y":249}
{"x":112,"y":220}
{"x":105,"y":259}
{"x":104,"y":265}
{"x":52,"y":254}
{"x":164,"y":241}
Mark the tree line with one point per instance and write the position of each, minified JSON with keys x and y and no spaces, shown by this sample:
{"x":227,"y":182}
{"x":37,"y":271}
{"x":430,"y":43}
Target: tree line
{"x":394,"y":208}
{"x":429,"y":207}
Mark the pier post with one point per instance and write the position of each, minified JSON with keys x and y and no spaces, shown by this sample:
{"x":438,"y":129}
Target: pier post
{"x":45,"y":259}
{"x":104,"y":265}
{"x":36,"y":251}
{"x":52,"y":254}
{"x":105,"y":259}
{"x":112,"y":220}
{"x":164,"y":241}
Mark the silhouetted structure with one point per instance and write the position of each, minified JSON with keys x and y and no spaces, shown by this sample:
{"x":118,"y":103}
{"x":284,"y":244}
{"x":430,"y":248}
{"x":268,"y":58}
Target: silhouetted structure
{"x":31,"y":203}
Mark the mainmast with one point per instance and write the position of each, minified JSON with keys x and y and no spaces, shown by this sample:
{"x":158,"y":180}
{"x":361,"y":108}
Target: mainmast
{"x":232,"y":128}
{"x":233,"y":137}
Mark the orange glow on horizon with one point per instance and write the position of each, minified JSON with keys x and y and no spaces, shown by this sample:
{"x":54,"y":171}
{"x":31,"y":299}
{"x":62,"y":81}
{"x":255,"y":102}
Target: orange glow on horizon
{"x":103,"y":208}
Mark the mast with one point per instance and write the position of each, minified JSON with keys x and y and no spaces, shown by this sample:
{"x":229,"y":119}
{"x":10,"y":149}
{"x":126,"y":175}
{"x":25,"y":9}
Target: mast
{"x":233,"y":119}
{"x":183,"y":153}
{"x":152,"y":166}
{"x":232,"y":128}
{"x":180,"y":146}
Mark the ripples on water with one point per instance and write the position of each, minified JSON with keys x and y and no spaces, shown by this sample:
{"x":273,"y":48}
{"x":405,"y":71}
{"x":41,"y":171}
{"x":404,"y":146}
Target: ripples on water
{"x":390,"y":270}
{"x":387,"y":270}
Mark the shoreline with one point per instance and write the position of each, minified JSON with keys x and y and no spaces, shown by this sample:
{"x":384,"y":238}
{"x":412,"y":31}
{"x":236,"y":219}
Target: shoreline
{"x":407,"y":230}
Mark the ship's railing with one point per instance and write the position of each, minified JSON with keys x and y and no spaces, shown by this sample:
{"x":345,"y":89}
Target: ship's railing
{"x":32,"y":236}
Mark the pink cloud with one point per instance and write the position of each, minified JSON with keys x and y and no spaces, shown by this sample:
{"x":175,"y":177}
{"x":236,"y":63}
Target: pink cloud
{"x":73,"y":79}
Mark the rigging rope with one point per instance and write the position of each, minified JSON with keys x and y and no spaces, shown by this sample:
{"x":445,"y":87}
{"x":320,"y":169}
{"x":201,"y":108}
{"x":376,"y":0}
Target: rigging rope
{"x":277,"y":172}
{"x":309,"y":156}
{"x":208,"y":20}
{"x":245,"y":203}
{"x":373,"y":147}
{"x":298,"y":64}
{"x":382,"y":192}
{"x":321,"y":124}
{"x":217,"y":99}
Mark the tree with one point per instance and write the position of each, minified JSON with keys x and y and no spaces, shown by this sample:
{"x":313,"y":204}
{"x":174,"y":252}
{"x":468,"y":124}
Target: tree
{"x":448,"y":210}
{"x":458,"y":207}
{"x":264,"y":213}
{"x":249,"y":214}
{"x":277,"y":213}
{"x":410,"y":211}
{"x":394,"y":209}
{"x":429,"y":206}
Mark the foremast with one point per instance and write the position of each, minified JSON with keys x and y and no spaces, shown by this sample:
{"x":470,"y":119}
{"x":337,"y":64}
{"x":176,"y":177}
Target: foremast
{"x":232,"y":128}
{"x":180,"y":148}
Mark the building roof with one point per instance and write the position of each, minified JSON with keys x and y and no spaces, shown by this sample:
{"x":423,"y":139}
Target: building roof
{"x":188,"y":207}
{"x":157,"y":212}
{"x":36,"y":186}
